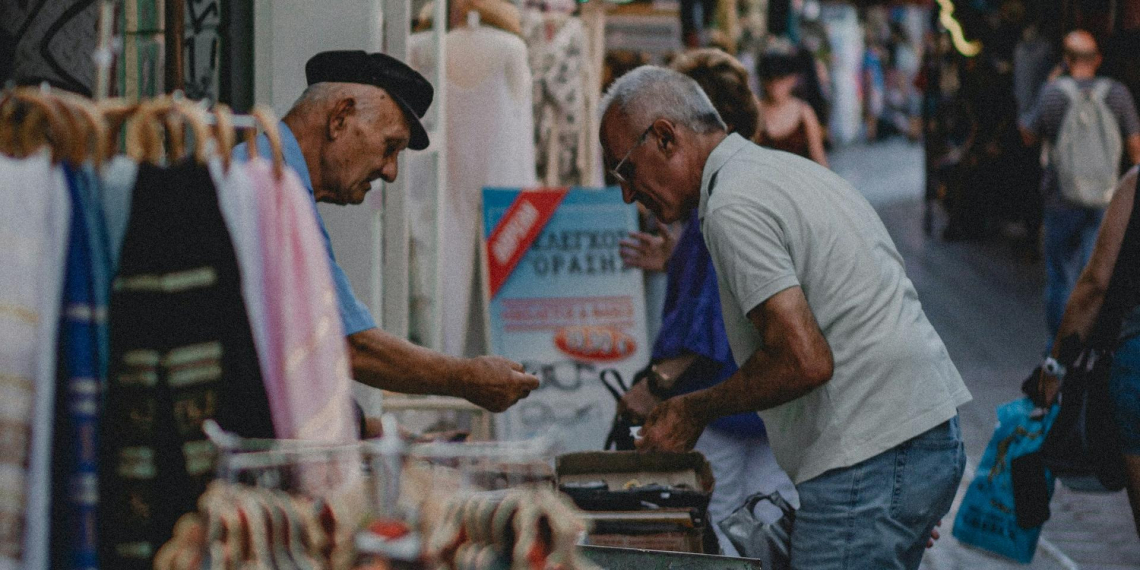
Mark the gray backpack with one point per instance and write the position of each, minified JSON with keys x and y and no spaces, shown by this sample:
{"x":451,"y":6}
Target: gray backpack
{"x":1087,"y":153}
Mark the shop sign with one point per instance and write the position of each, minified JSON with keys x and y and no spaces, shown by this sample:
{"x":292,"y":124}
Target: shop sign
{"x":562,"y":303}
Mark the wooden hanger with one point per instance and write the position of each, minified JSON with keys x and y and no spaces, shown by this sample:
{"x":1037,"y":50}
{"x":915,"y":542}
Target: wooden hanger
{"x":115,"y":114}
{"x":196,"y":117}
{"x":268,"y":122}
{"x":75,"y":144}
{"x":31,"y":135}
{"x":10,"y":143}
{"x":144,"y":133}
{"x":224,"y":133}
{"x":88,"y":112}
{"x":175,"y":124}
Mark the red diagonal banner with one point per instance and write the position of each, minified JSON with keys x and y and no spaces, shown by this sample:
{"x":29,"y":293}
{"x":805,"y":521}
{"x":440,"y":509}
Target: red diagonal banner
{"x":517,"y":230}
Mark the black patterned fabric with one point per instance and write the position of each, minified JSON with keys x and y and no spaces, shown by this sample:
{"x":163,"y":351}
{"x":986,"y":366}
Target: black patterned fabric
{"x":181,"y":352}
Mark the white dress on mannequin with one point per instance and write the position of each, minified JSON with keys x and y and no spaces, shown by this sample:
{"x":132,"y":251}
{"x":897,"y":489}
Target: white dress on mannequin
{"x":490,"y":142}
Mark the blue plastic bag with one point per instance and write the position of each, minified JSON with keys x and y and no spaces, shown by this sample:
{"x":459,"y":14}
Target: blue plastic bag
{"x":986,"y":517}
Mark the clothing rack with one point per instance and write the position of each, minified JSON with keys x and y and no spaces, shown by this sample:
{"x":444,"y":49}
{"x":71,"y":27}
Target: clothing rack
{"x":143,"y":123}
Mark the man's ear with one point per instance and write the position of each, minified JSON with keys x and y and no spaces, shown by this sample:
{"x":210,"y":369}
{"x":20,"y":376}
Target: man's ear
{"x":666,"y":134}
{"x":338,"y":117}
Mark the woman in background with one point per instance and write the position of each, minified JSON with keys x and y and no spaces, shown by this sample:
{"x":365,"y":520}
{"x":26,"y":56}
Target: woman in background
{"x":787,"y":123}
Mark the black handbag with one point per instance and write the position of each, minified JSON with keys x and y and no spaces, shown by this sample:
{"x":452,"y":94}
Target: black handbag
{"x":1083,"y":446}
{"x":769,"y":542}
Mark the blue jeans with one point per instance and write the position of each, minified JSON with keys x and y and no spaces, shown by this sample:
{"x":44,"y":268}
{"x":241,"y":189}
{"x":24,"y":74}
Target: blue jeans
{"x":1070,"y":234}
{"x":1124,"y":389}
{"x":879,"y":513}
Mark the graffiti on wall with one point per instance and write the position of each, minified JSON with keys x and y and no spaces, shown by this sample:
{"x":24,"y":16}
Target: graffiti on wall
{"x":50,"y":41}
{"x":201,"y":47}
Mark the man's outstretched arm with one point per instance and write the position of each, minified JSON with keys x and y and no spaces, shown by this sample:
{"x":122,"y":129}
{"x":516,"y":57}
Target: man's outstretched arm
{"x":385,"y":361}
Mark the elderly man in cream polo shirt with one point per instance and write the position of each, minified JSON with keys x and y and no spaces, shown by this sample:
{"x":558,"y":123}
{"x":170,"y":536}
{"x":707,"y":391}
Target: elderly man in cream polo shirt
{"x":836,"y":354}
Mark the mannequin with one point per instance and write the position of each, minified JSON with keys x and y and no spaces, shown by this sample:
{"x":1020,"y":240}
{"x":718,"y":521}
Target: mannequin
{"x":495,"y":13}
{"x":490,"y":142}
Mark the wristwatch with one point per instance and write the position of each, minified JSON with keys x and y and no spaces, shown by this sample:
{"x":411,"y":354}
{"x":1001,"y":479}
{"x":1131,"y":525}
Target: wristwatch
{"x":1053,"y":368}
{"x":658,"y":383}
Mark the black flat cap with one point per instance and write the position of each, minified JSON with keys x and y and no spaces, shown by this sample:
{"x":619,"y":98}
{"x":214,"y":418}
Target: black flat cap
{"x":407,"y":87}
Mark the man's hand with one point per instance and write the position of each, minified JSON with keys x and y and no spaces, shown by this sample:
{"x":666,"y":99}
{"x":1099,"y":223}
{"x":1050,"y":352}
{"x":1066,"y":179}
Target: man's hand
{"x":184,"y":550}
{"x":637,"y":403}
{"x":1047,"y":387}
{"x":383,"y":360}
{"x":672,"y":426}
{"x":647,"y":251}
{"x":494,"y":383}
{"x":934,"y":535}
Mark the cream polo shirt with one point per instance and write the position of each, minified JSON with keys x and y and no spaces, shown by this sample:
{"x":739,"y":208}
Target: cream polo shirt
{"x":772,"y":221}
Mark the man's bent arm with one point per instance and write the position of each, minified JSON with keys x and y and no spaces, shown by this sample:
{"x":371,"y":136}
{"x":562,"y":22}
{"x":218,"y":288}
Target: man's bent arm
{"x":1133,"y":144}
{"x":794,"y":360}
{"x":385,"y":361}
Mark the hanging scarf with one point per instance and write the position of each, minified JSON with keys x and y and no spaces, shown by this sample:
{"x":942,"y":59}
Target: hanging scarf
{"x":181,"y":353}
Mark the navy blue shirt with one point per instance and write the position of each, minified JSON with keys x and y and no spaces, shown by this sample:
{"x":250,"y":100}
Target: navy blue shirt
{"x":692,"y":322}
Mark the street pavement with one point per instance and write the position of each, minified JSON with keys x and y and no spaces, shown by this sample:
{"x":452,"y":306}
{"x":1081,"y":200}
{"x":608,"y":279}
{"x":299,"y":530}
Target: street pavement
{"x":985,"y":300}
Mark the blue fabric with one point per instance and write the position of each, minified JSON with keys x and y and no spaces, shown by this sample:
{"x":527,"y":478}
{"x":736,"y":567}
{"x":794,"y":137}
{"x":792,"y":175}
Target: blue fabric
{"x":691,"y":321}
{"x":879,"y":513}
{"x":80,"y":372}
{"x":987,"y":517}
{"x":1070,"y":235}
{"x":115,"y":192}
{"x":353,"y":313}
{"x":1124,"y":389}
{"x":102,"y":258}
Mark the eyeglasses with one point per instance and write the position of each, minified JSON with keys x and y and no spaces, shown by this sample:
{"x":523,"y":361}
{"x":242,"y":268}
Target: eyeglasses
{"x":616,"y":170}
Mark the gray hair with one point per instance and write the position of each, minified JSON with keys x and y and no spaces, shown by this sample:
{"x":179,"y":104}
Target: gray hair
{"x":320,"y":96}
{"x":649,"y":93}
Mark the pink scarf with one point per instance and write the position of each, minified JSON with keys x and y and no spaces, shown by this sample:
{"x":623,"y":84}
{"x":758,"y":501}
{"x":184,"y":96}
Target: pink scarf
{"x":308,"y":381}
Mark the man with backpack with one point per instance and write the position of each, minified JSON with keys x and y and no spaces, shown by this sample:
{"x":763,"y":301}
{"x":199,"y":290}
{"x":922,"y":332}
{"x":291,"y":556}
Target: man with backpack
{"x":1088,"y":125}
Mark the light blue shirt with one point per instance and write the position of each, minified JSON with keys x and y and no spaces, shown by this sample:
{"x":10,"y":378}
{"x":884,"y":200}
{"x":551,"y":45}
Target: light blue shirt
{"x":353,"y":313}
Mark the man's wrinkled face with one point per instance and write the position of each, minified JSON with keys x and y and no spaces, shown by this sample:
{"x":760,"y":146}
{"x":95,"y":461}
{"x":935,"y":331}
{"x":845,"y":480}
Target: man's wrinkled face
{"x":644,"y":161}
{"x":365,"y":140}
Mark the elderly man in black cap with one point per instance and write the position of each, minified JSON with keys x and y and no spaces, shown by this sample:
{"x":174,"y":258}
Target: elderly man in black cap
{"x":346,"y":130}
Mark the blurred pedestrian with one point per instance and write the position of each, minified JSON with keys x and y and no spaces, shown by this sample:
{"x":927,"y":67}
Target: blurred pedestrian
{"x":1070,"y":229}
{"x":901,"y":102}
{"x":855,"y":386}
{"x":696,"y":18}
{"x":1085,"y":309}
{"x":787,"y":123}
{"x":874,"y":86}
{"x":692,"y":352}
